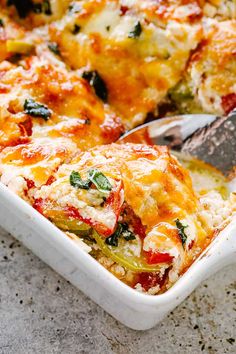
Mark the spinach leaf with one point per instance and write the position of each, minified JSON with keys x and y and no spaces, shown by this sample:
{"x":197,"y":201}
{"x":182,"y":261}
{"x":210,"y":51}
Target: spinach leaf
{"x":181,"y":231}
{"x":54,"y":48}
{"x":99,"y":180}
{"x":113,"y":239}
{"x":36,"y":109}
{"x":122,"y":230}
{"x":77,"y":182}
{"x":97,"y":83}
{"x":136,"y":32}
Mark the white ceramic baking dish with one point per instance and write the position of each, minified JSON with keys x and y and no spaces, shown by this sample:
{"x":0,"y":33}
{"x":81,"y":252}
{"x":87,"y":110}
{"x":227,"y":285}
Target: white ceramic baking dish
{"x":135,"y":310}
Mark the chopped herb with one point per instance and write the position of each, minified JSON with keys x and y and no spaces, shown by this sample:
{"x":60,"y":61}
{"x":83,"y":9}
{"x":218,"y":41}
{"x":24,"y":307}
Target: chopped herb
{"x":76,"y":181}
{"x":74,"y":8}
{"x":36,"y":109}
{"x":100,"y":180}
{"x":181,"y":231}
{"x":94,"y":177}
{"x":97,"y":83}
{"x":76,"y":29}
{"x":87,"y":121}
{"x":127,"y":234}
{"x":23,"y":7}
{"x":54,"y":48}
{"x":113,"y":239}
{"x":122,"y":230}
{"x":1,"y":23}
{"x":136,"y":32}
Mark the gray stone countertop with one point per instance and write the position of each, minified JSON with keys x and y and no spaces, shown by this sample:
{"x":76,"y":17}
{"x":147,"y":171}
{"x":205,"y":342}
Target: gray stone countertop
{"x":40,"y":312}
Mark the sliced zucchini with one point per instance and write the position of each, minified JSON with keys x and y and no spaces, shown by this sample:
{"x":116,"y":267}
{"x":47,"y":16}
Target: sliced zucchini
{"x":19,"y":46}
{"x":121,"y":256}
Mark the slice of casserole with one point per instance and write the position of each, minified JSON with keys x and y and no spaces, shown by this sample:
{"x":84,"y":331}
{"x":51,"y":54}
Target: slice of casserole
{"x":136,"y":207}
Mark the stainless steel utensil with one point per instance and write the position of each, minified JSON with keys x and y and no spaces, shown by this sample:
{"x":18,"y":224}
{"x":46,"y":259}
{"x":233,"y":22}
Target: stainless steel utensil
{"x":206,"y":137}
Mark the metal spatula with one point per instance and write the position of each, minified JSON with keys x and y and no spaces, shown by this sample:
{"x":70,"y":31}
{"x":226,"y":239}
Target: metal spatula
{"x":206,"y":137}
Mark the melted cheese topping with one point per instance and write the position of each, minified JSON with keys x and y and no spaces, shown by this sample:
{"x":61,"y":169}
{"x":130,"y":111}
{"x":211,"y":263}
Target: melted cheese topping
{"x":29,"y":166}
{"x":153,"y":184}
{"x":144,"y":66}
{"x":139,"y":51}
{"x":77,"y":113}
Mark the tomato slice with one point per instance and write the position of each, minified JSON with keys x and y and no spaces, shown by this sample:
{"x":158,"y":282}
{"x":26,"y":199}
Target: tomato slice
{"x":158,"y":257}
{"x":149,"y":280}
{"x":229,"y":102}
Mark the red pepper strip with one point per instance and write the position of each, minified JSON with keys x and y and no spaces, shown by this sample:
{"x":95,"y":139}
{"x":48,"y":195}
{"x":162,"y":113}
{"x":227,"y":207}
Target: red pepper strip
{"x":158,"y":257}
{"x":229,"y":102}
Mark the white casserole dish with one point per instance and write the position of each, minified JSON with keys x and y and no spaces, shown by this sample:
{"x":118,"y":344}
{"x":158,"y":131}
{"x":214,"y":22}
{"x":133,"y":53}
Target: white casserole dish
{"x":133,"y":309}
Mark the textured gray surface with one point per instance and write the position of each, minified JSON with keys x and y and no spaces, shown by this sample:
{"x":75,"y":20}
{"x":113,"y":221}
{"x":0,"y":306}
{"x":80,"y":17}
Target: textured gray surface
{"x":41,"y":313}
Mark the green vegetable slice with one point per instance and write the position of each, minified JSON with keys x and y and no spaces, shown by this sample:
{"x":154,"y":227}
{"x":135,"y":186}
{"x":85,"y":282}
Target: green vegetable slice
{"x":62,"y":221}
{"x":19,"y":46}
{"x":123,"y":257}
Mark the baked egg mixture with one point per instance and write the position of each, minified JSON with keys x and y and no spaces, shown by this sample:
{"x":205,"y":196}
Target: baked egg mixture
{"x":74,"y":76}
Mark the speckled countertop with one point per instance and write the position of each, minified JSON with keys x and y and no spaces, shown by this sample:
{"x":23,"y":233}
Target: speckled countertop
{"x":40,"y":312}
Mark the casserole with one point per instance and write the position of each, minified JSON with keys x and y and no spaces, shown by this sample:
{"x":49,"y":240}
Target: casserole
{"x":135,"y":310}
{"x":68,"y":86}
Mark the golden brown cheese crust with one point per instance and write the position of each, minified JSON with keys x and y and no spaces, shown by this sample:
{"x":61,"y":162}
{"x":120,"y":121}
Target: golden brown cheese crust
{"x":28,"y":166}
{"x":76,"y":112}
{"x":138,"y":59}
